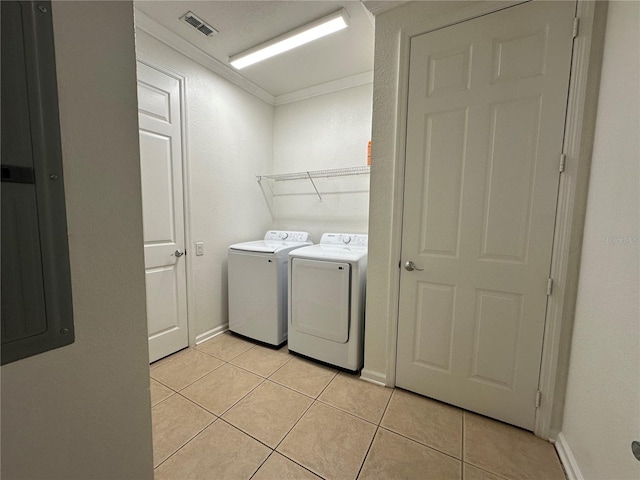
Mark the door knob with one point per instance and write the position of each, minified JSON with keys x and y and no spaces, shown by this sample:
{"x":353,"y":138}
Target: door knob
{"x":179,"y":253}
{"x":409,"y":266}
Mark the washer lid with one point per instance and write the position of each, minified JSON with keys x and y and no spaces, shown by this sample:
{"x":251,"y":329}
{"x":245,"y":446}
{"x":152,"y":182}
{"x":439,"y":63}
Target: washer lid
{"x":267,"y":246}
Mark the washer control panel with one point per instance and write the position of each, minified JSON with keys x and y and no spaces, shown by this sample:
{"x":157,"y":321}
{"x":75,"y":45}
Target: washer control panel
{"x":345,"y":239}
{"x":287,"y":236}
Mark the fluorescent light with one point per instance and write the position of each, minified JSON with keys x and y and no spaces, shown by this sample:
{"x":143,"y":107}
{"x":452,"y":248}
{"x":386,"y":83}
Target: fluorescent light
{"x":305,"y":34}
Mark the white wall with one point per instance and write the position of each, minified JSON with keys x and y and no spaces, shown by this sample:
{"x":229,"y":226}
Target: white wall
{"x":324,"y":132}
{"x":83,"y":411}
{"x":602,"y":409}
{"x":230,"y":135}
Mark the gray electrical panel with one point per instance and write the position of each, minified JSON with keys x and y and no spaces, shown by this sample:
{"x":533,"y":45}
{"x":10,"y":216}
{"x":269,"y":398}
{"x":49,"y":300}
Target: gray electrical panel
{"x":37,"y":312}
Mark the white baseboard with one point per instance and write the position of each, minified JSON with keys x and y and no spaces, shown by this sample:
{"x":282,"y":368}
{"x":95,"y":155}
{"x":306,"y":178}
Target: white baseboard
{"x":376,"y":378}
{"x":209,"y":334}
{"x":567,"y":459}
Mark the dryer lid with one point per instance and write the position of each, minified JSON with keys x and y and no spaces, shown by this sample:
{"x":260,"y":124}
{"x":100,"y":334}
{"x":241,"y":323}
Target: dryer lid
{"x":331,"y":252}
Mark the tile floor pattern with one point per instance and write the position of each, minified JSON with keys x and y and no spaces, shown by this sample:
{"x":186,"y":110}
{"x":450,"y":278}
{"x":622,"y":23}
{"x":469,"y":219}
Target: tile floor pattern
{"x":229,"y":409}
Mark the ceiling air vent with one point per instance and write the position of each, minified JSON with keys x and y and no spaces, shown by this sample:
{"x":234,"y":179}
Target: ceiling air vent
{"x":198,"y":24}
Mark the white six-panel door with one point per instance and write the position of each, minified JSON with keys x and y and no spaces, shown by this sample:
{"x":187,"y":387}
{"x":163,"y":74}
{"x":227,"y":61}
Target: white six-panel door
{"x":486,"y":114}
{"x":159,"y":116}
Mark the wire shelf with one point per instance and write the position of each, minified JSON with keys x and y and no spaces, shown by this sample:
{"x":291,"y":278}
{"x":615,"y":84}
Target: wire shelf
{"x":311,"y":174}
{"x":334,"y":172}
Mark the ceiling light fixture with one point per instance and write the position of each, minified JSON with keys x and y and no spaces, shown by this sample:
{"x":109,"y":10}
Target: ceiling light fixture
{"x":305,"y":34}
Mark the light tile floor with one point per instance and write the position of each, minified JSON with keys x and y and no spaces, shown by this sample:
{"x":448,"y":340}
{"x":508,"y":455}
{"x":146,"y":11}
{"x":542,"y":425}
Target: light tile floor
{"x":229,"y":409}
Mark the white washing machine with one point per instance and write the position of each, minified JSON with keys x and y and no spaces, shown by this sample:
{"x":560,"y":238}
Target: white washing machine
{"x":326,"y":300}
{"x":258,"y":285}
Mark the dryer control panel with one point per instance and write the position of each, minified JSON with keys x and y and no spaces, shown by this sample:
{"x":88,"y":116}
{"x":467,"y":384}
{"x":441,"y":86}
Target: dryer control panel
{"x":287,"y":236}
{"x":350,"y":239}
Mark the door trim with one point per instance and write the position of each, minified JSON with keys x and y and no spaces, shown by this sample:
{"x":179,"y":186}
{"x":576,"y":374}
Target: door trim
{"x":186,"y":188}
{"x":570,"y":215}
{"x":567,"y":244}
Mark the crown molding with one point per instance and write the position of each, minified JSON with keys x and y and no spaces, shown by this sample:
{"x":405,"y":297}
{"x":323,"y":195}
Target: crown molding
{"x":379,"y":7}
{"x":148,"y":25}
{"x":325,"y":88}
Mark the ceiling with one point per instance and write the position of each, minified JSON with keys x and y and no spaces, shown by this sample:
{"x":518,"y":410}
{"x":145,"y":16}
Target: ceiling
{"x":245,"y":24}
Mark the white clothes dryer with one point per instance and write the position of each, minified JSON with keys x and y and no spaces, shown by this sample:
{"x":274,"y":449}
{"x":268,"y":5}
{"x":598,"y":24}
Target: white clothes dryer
{"x":258,"y":285}
{"x":326,"y":300}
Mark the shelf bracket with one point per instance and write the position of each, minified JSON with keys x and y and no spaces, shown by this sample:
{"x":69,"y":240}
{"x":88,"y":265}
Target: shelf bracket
{"x":314,"y":185}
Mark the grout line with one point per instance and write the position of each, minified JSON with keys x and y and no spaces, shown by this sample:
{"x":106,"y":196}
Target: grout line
{"x":334,"y":408}
{"x":298,"y":391}
{"x":189,"y":384}
{"x":273,"y":450}
{"x":260,"y":466}
{"x":484,"y":470}
{"x":393,"y":391}
{"x":291,"y":389}
{"x":314,"y":400}
{"x":262,"y":380}
{"x":294,"y":425}
{"x":367,"y":454}
{"x":324,"y":402}
{"x":164,"y":385}
{"x":197,"y":379}
{"x":199,"y":406}
{"x":464,"y":421}
{"x":246,"y":433}
{"x":344,"y":411}
{"x":211,"y":355}
{"x":418,"y":442}
{"x":219,"y":337}
{"x":256,"y":373}
{"x":281,"y":366}
{"x":462,"y":475}
{"x":422,"y":444}
{"x":241,"y":353}
{"x":300,"y":465}
{"x":224,"y":360}
{"x":164,"y":400}
{"x":327,"y":385}
{"x":215,"y":419}
{"x":248,"y":371}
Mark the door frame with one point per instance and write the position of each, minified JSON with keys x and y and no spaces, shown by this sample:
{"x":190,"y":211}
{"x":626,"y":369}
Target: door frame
{"x":186,"y":187}
{"x":571,"y":207}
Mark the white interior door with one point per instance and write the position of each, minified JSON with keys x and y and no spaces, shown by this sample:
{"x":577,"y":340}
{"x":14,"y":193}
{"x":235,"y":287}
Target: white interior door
{"x":485,"y":123}
{"x":159,"y":111}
